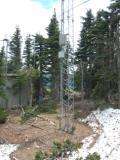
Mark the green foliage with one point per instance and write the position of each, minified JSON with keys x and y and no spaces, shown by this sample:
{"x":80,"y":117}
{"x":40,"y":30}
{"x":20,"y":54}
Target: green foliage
{"x":28,"y":51}
{"x":29,"y":113}
{"x":85,"y":46}
{"x":2,"y":78}
{"x":40,"y":61}
{"x":102,"y":104}
{"x":96,"y":50}
{"x":93,"y":156}
{"x":53,"y":49}
{"x":24,"y":76}
{"x":39,"y":55}
{"x":44,"y":107}
{"x":40,"y":156}
{"x":77,"y":114}
{"x":85,"y":53}
{"x":58,"y":150}
{"x":115,"y":7}
{"x":77,"y":80}
{"x":3,"y":115}
{"x":27,"y":74}
{"x":47,"y":106}
{"x":70,"y":146}
{"x":15,"y":62}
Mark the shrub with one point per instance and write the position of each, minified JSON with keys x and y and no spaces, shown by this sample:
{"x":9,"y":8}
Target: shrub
{"x":70,"y":146}
{"x":29,"y":112}
{"x":93,"y":156}
{"x":47,"y":106}
{"x":44,"y":107}
{"x":102,"y":104}
{"x":3,"y":115}
{"x":77,"y":114}
{"x":40,"y":156}
{"x":58,"y":150}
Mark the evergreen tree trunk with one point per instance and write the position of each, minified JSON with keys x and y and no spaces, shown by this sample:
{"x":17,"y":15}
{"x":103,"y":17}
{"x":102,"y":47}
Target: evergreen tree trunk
{"x":31,"y":93}
{"x":118,"y":63}
{"x":20,"y":98}
{"x":56,"y":89}
{"x":40,"y":89}
{"x":82,"y":81}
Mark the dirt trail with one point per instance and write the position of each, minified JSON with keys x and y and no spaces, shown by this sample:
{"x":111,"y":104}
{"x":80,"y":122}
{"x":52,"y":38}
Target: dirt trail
{"x":38,"y":133}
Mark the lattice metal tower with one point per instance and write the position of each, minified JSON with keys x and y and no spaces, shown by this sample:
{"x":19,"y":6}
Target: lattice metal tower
{"x":66,"y":56}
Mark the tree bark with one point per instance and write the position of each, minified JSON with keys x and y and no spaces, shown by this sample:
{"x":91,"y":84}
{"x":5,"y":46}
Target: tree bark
{"x":20,"y":95}
{"x":56,"y":89}
{"x":82,"y":81}
{"x":118,"y":62}
{"x":31,"y":93}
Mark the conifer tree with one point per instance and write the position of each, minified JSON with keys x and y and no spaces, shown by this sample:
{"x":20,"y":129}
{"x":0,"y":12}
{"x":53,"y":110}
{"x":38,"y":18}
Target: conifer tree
{"x":53,"y":49}
{"x":15,"y":51}
{"x":85,"y":51}
{"x":102,"y":62}
{"x":2,"y":79}
{"x":40,"y":63}
{"x":115,"y":29}
{"x":28,"y":51}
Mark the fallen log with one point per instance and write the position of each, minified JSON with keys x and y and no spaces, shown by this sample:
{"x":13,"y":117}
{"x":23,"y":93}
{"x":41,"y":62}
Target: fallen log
{"x":46,"y":119}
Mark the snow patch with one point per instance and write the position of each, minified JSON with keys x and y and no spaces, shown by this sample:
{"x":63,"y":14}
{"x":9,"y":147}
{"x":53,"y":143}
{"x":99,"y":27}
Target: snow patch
{"x":105,"y":124}
{"x":6,"y":150}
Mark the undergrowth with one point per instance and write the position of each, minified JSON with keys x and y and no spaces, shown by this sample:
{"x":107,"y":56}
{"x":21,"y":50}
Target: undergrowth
{"x":3,"y":115}
{"x":29,"y":113}
{"x":44,"y":107}
{"x":40,"y":156}
{"x":58,"y":150}
{"x":93,"y":156}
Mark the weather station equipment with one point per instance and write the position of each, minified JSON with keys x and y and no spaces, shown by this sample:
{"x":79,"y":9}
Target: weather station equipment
{"x":66,"y":56}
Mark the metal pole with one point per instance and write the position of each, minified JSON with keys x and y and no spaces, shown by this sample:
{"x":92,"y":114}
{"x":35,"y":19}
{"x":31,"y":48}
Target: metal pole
{"x":73,"y":56}
{"x":61,"y":125}
{"x":61,"y":93}
{"x":67,"y":67}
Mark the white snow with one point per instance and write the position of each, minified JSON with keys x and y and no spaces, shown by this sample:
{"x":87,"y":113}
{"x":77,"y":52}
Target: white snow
{"x":6,"y":150}
{"x":106,"y":124}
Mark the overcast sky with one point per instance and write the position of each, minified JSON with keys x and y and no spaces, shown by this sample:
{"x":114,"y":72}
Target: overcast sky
{"x":34,"y":15}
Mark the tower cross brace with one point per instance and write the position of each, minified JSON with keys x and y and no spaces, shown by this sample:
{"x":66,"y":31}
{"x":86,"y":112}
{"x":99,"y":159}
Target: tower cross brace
{"x":66,"y":56}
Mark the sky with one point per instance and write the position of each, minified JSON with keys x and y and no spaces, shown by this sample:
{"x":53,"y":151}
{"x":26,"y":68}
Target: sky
{"x":46,"y":3}
{"x":33,"y":16}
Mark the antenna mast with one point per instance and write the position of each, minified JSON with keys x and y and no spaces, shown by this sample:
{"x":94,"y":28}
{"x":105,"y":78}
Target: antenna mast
{"x":66,"y":56}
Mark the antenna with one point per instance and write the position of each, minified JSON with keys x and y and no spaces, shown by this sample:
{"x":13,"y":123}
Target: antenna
{"x":66,"y":56}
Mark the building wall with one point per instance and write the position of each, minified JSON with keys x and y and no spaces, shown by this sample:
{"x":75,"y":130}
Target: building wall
{"x":15,"y":97}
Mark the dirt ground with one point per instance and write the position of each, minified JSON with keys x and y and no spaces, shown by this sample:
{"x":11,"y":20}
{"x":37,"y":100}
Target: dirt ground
{"x":38,"y":133}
